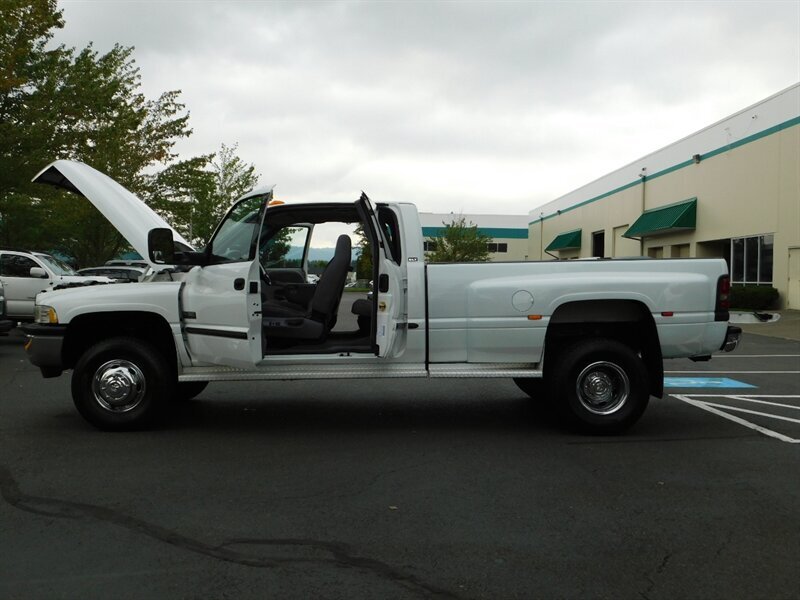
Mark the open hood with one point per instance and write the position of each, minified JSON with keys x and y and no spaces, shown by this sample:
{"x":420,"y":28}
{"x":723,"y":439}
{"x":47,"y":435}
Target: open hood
{"x":132,"y":217}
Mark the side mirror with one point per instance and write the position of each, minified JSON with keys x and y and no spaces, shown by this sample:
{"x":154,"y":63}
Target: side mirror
{"x":160,"y":247}
{"x":38,"y":272}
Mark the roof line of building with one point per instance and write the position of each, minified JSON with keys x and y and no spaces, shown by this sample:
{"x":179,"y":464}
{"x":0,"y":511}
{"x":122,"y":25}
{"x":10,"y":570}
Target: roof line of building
{"x":727,"y":147}
{"x":512,"y":233}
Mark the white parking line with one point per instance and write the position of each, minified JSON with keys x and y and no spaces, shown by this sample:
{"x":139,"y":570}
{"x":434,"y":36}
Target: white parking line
{"x":714,"y":408}
{"x":752,"y":412}
{"x":743,"y":399}
{"x":756,"y":356}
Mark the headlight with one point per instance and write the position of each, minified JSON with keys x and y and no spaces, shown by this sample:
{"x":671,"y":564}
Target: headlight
{"x":45,"y":314}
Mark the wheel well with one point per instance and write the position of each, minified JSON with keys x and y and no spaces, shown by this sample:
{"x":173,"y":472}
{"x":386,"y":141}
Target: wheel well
{"x":86,"y":330}
{"x":627,"y":321}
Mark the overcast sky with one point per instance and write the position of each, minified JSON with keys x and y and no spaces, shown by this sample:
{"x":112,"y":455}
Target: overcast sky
{"x":474,"y":107}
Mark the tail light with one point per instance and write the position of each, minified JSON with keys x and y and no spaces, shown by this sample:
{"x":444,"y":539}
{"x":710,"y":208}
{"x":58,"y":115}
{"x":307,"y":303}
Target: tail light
{"x":723,"y":304}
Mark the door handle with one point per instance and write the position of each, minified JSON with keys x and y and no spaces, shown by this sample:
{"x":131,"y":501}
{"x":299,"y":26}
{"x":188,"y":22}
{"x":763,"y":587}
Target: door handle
{"x":238,"y":283}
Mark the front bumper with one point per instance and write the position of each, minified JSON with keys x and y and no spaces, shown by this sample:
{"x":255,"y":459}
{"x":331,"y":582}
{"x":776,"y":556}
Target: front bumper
{"x":732,"y":339}
{"x":44,"y":347}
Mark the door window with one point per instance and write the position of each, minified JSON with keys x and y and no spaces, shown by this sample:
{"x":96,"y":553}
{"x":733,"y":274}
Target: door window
{"x":14,"y":265}
{"x":388,"y":222}
{"x":236,"y":237}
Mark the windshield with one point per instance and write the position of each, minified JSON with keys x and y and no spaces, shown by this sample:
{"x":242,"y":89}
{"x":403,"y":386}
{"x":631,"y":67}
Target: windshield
{"x":58,"y":267}
{"x":235,"y":238}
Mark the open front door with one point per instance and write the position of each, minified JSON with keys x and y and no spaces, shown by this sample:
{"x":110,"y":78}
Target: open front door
{"x":221,"y":301}
{"x":389,"y":287}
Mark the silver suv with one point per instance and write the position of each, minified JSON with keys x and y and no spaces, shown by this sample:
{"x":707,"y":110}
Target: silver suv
{"x":24,"y":274}
{"x":5,"y":324}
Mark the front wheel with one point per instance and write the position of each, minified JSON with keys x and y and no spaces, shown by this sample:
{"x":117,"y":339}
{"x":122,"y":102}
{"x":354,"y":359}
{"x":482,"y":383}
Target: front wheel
{"x":121,"y":383}
{"x":601,"y":386}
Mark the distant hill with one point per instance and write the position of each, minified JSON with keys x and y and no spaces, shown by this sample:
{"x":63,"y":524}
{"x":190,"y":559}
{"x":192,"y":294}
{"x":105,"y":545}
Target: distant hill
{"x":325,"y":254}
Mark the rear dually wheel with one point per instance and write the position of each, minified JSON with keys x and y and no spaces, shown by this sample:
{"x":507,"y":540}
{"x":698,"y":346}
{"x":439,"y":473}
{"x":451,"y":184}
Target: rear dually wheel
{"x":600,"y":386}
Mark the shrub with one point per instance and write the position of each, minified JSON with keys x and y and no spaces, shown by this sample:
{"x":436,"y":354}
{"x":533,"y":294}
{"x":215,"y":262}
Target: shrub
{"x":754,"y":297}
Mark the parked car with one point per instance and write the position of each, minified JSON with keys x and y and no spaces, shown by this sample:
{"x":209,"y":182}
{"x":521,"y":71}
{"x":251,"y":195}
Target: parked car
{"x":24,"y":274}
{"x":122,"y":274}
{"x":5,"y":324}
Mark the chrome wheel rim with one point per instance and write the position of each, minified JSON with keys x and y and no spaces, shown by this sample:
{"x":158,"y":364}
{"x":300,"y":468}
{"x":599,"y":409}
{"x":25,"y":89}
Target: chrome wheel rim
{"x":118,"y":386}
{"x":602,"y":388}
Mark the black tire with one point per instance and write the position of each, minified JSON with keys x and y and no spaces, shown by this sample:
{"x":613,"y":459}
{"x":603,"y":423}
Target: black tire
{"x":186,"y":390}
{"x":533,"y":386}
{"x":122,"y":384}
{"x":600,"y":386}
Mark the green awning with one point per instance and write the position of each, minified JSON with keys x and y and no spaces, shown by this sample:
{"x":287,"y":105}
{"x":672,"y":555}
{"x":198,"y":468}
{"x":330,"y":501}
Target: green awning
{"x":681,"y":216}
{"x":569,"y":240}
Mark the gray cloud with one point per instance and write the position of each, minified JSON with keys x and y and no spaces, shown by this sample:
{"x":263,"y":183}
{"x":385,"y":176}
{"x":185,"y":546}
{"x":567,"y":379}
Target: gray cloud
{"x":474,"y":106}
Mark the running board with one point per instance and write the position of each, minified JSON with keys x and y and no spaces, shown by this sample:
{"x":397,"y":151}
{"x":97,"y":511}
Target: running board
{"x":503,"y":370}
{"x":356,"y":371}
{"x":286,"y":372}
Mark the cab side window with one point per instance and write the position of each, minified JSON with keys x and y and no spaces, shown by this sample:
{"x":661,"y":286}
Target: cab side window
{"x":388,"y":223}
{"x":12,"y":265}
{"x":283,"y":248}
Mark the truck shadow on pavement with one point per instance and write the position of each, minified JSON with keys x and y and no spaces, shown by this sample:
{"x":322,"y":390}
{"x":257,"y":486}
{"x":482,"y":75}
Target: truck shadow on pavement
{"x":308,"y":414}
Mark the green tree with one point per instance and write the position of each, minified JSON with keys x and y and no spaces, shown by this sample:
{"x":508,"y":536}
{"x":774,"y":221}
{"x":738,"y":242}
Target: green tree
{"x":460,"y":242}
{"x":25,"y":29}
{"x":278,"y":248}
{"x":82,"y":105}
{"x":178,"y":191}
{"x":232,"y":178}
{"x":364,"y":260}
{"x":193,"y":195}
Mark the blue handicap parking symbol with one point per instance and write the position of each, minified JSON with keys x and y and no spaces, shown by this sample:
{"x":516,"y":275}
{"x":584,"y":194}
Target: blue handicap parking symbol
{"x":704,"y":382}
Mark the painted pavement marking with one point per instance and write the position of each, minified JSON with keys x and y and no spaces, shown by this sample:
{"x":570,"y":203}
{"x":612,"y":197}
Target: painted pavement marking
{"x":704,"y":382}
{"x":735,"y":372}
{"x":720,"y":410}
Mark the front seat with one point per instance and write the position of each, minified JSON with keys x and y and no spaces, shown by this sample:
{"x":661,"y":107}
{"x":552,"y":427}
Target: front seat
{"x":318,"y":319}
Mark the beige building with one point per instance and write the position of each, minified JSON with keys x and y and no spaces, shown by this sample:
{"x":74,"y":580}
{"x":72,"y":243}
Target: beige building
{"x":508,"y":232}
{"x":731,"y":190}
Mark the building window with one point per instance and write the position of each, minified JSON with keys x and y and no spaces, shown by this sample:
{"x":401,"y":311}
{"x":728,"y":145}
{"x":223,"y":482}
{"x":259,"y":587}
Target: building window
{"x":429,"y":246}
{"x":599,"y":244}
{"x":497,"y":247}
{"x":750,"y":259}
{"x":679,"y":251}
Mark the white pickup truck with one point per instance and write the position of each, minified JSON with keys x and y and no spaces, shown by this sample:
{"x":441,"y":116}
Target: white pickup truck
{"x":589,"y":337}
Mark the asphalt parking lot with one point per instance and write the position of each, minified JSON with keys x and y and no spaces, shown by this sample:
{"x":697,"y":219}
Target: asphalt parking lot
{"x":407,"y":489}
